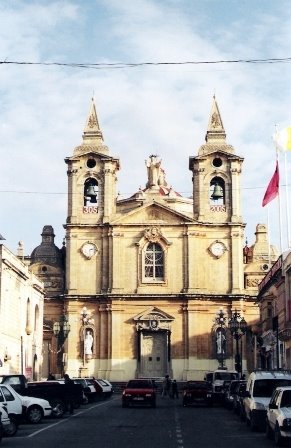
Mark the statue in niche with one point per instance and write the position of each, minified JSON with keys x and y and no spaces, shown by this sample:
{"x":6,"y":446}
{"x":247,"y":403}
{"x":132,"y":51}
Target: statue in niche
{"x":88,"y":344}
{"x":220,"y":342}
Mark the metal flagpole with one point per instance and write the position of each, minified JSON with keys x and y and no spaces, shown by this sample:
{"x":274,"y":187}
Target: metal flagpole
{"x":280,"y":210}
{"x":287,"y":202}
{"x":279,"y":191}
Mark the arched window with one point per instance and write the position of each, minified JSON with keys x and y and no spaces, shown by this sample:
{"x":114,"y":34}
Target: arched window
{"x":217,"y":191}
{"x":28,"y":323}
{"x":154,"y":262}
{"x":90,"y":192}
{"x":36,"y":317}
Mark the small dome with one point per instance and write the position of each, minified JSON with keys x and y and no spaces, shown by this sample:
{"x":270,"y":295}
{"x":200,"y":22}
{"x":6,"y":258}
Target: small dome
{"x":47,"y":252}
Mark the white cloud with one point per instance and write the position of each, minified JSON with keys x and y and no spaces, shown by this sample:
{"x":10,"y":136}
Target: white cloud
{"x":146,"y":110}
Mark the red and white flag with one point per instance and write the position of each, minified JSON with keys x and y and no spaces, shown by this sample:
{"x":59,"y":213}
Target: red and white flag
{"x":273,"y":187}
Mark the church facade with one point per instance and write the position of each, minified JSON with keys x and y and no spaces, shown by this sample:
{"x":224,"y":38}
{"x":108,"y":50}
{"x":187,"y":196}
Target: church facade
{"x":147,"y":277}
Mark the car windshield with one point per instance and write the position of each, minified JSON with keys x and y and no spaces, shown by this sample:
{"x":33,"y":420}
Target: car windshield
{"x":286,"y":399}
{"x":265,"y":388}
{"x":225,"y":376}
{"x":139,"y":384}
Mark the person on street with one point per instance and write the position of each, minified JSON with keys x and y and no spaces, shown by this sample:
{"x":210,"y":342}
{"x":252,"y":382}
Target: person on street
{"x":174,"y":390}
{"x":166,"y":386}
{"x":69,"y":393}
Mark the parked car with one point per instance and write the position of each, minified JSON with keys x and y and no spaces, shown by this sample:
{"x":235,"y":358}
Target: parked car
{"x":259,"y":389}
{"x":139,"y":392}
{"x":219,"y":379}
{"x":89,"y":388}
{"x":103,"y":387}
{"x":278,"y":421}
{"x":7,"y":427}
{"x":19,"y":407}
{"x":238,"y":397}
{"x":197,"y":392}
{"x":231,"y":396}
{"x":55,"y":393}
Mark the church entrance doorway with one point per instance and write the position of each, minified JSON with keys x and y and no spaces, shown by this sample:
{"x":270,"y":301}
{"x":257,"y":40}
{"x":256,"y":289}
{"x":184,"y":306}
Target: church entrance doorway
{"x":154,"y":356}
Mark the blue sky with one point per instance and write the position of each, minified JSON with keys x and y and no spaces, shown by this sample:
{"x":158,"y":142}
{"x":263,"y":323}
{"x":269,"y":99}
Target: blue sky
{"x":142,"y":110}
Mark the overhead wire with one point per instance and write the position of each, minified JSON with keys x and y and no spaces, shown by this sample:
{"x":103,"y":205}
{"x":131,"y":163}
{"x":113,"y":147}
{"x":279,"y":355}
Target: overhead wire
{"x":119,"y":65}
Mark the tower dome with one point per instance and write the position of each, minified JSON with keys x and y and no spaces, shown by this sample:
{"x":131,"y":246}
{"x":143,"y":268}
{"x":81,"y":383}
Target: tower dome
{"x":47,"y":251}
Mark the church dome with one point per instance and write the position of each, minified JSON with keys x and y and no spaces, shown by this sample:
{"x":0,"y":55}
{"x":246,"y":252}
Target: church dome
{"x":47,"y":251}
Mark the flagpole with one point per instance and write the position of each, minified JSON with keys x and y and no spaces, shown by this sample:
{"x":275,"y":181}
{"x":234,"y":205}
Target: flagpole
{"x":269,"y":238}
{"x":287,"y":201}
{"x":280,"y":209}
{"x":279,"y":189}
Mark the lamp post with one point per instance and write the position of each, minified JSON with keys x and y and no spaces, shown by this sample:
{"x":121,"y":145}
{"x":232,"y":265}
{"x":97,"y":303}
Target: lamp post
{"x":238,"y":327}
{"x":61,"y":330}
{"x":220,"y":325}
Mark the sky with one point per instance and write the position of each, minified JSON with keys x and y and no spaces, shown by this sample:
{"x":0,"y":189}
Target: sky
{"x":146,"y":109}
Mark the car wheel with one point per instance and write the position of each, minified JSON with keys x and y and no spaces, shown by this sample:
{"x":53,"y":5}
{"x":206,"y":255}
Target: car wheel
{"x":58,"y":408}
{"x":11,"y":429}
{"x":34,"y":414}
{"x":154,"y":404}
{"x":277,"y":436}
{"x":269,"y":433}
{"x":124,"y":405}
{"x":1,"y":432}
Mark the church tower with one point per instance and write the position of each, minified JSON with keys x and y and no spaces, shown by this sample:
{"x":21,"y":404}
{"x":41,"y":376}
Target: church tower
{"x":91,"y":203}
{"x":216,"y":197}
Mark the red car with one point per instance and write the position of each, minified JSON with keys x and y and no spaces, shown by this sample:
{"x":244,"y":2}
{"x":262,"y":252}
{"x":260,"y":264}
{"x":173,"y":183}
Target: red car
{"x":197,"y":392}
{"x":139,"y":392}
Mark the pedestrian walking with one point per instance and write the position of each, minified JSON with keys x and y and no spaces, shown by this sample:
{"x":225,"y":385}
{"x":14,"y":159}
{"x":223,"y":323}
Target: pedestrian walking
{"x":166,"y":386}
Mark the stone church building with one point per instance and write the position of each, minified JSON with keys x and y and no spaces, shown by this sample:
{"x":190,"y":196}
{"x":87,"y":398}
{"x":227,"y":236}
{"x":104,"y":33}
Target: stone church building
{"x":137,"y":287}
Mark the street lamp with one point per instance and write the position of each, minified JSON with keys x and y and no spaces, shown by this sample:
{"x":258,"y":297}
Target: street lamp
{"x":61,"y":330}
{"x":220,"y":325}
{"x":238,"y":327}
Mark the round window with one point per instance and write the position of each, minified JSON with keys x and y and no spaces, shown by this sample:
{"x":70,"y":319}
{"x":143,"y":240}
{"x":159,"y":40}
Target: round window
{"x":91,"y":163}
{"x":217,"y":162}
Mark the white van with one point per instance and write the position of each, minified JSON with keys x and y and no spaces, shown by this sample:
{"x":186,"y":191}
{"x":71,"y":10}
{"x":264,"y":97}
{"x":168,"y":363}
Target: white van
{"x":219,"y":378}
{"x":259,"y":389}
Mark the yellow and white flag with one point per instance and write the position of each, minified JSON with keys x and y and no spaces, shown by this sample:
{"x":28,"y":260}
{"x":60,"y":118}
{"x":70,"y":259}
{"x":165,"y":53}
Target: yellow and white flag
{"x":283,"y":139}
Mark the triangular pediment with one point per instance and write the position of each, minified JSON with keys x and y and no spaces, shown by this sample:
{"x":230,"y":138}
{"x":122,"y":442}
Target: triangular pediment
{"x":154,"y":213}
{"x":153,"y":313}
{"x":89,"y":151}
{"x":218,"y":150}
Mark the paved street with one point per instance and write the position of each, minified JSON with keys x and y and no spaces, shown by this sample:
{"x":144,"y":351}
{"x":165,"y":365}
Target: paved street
{"x":106,"y":425}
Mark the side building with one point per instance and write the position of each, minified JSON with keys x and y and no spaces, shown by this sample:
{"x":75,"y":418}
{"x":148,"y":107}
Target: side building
{"x":21,"y":317}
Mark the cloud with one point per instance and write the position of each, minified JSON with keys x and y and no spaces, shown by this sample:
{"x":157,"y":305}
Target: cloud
{"x":145,"y":110}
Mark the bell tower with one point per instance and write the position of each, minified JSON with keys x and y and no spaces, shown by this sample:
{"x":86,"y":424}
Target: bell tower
{"x":91,"y":202}
{"x":216,"y":200}
{"x":216,"y":176}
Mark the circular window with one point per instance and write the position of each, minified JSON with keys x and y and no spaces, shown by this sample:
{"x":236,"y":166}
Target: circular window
{"x":44,"y":269}
{"x":265,"y":267}
{"x":217,"y":162}
{"x":91,"y":163}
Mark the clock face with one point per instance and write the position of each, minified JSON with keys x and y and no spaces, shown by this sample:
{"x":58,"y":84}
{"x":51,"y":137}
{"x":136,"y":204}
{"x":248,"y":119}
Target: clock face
{"x":89,"y":250}
{"x":217,"y":249}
